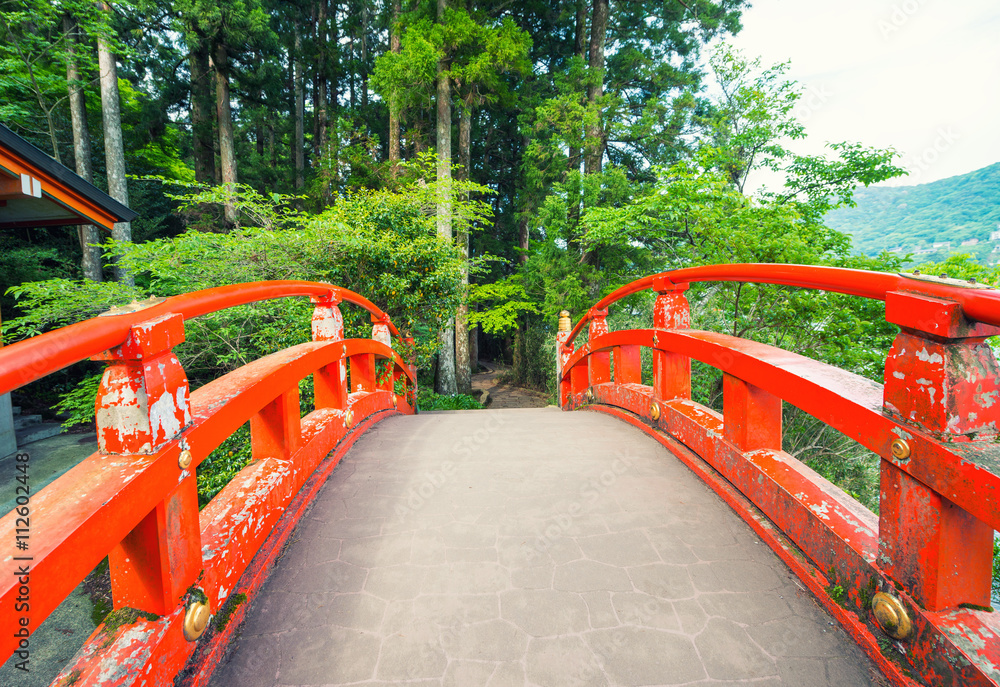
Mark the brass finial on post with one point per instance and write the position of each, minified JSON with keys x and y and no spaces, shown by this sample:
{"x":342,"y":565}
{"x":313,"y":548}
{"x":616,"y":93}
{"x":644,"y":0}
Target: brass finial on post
{"x":565,"y":324}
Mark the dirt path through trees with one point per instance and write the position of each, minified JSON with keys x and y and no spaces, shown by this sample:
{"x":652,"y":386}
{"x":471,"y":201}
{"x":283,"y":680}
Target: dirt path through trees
{"x":507,"y":395}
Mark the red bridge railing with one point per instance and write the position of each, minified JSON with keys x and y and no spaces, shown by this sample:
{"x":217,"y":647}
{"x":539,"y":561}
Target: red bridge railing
{"x":135,"y":500}
{"x":916,"y":578}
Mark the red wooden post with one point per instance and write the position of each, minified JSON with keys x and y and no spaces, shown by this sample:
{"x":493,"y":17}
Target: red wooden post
{"x":563,"y":352}
{"x":671,"y":371}
{"x":409,"y":394}
{"x":381,"y":333}
{"x":941,"y":377}
{"x":363,"y":372}
{"x":276,"y":430}
{"x":329,"y":383}
{"x":599,"y":364}
{"x":142,"y":404}
{"x":628,"y":364}
{"x":579,"y":378}
{"x":152,"y":568}
{"x":752,"y":416}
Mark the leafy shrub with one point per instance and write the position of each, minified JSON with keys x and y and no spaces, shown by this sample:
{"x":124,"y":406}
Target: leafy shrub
{"x":428,"y":400}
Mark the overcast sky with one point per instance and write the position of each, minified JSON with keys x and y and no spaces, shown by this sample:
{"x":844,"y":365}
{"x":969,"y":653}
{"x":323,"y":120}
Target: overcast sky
{"x":922,"y":76}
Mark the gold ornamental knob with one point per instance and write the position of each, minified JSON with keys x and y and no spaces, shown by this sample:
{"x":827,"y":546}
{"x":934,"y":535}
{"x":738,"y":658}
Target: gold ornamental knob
{"x":196,"y":620}
{"x":565,"y":324}
{"x":900,"y":449}
{"x":184,"y":460}
{"x":891,"y":616}
{"x":654,"y":411}
{"x":349,"y":418}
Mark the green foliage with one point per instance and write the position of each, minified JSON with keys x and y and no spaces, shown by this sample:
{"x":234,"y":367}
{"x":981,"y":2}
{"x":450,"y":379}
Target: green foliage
{"x":477,"y":55}
{"x":57,"y":302}
{"x":503,"y":302}
{"x":963,"y":266}
{"x":223,"y":463}
{"x":79,"y":402}
{"x":995,"y":593}
{"x":428,"y":400}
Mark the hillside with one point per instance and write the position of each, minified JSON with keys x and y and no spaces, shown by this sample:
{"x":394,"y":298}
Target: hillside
{"x":931,"y":220}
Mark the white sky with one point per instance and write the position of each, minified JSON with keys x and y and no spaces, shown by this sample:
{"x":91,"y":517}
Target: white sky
{"x":921,"y":76}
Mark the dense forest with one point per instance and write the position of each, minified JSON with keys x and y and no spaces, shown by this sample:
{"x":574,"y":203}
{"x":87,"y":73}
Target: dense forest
{"x":960,"y":214}
{"x":473,"y":167}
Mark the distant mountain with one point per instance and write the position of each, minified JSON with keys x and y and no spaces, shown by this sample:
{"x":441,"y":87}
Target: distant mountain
{"x":912,"y":219}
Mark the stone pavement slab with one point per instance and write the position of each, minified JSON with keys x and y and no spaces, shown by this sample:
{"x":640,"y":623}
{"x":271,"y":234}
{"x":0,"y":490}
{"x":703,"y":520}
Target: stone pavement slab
{"x":530,"y":547}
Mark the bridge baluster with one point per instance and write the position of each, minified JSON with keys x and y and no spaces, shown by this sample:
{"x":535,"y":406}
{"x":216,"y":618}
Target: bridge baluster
{"x":142,"y":404}
{"x":599,"y":364}
{"x":380,"y":333}
{"x":276,"y":430}
{"x":330,"y":382}
{"x":752,"y":416}
{"x":628,"y":364}
{"x":408,"y":400}
{"x":671,"y":371}
{"x":941,"y":377}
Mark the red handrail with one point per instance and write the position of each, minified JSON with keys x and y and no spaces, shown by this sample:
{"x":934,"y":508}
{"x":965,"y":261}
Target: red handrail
{"x":979,"y":304}
{"x":29,"y":360}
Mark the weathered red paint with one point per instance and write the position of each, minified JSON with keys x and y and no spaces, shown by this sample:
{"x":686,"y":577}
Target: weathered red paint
{"x":981,"y":304}
{"x":752,"y":416}
{"x":671,"y":371}
{"x":600,"y":362}
{"x":160,"y":558}
{"x":142,"y":401}
{"x":932,"y":545}
{"x":141,"y":506}
{"x":25,"y":361}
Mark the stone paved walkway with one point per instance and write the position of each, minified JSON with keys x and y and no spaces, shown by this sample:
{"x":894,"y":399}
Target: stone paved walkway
{"x":530,"y":547}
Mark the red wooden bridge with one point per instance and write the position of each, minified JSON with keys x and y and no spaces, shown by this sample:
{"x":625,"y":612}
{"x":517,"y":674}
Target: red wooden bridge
{"x":656,"y":542}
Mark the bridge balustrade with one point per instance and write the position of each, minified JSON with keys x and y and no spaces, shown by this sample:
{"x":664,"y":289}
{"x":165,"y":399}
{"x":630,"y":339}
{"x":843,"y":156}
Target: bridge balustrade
{"x":911,"y":584}
{"x":135,"y":500}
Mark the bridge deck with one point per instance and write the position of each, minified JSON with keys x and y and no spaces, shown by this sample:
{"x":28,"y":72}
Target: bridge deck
{"x":530,"y":547}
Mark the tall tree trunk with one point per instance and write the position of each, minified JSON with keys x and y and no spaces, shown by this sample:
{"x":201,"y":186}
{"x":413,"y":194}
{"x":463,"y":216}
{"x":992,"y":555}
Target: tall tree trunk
{"x":364,"y":55}
{"x":351,"y":69}
{"x":90,"y":261}
{"x":463,"y":364}
{"x":320,"y":99}
{"x":474,"y":349}
{"x":299,"y":144}
{"x":394,"y":152}
{"x":114,"y":149}
{"x":333,"y":66}
{"x":227,"y":143}
{"x":257,"y":94}
{"x":581,"y":28}
{"x":595,"y":132}
{"x":527,"y":211}
{"x":272,"y":150}
{"x":573,"y":161}
{"x":202,"y":115}
{"x":446,"y":357}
